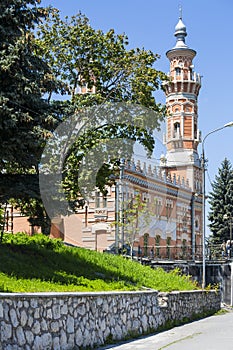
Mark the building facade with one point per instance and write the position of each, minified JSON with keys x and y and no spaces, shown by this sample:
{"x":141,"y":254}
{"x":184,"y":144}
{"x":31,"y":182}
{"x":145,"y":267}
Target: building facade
{"x":171,"y":191}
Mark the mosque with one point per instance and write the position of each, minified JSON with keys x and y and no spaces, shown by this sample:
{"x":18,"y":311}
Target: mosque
{"x":171,"y":190}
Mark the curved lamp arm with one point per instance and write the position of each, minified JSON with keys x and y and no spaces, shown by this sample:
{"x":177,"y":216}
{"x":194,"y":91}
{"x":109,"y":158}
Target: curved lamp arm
{"x":212,"y":132}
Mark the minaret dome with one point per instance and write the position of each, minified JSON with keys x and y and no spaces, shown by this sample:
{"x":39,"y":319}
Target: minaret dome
{"x":180,"y":34}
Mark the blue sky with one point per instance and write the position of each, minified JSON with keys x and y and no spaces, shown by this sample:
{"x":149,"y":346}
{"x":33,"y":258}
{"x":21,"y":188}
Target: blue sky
{"x":150,"y":24}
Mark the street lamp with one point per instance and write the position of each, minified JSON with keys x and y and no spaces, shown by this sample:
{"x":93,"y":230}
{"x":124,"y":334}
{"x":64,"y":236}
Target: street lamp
{"x":203,"y":166}
{"x":229,"y":218}
{"x":119,"y":206}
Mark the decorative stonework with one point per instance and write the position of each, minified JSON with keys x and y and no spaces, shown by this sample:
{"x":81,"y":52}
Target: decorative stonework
{"x":60,"y":321}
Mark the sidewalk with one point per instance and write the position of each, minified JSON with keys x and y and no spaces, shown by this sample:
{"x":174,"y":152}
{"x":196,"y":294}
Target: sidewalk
{"x":211,"y":333}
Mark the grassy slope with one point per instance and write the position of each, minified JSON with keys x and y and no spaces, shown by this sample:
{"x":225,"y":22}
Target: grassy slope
{"x":36,"y":264}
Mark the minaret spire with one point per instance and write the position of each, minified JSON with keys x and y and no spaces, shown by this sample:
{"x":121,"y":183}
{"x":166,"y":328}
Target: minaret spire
{"x":180,"y":32}
{"x":180,"y":11}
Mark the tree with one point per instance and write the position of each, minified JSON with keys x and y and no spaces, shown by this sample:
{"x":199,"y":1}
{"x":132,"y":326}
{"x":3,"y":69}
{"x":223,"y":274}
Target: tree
{"x":221,"y":202}
{"x":2,"y":221}
{"x":82,"y":57}
{"x":100,"y":66}
{"x":66,"y":58}
{"x":25,"y":119}
{"x":137,"y":215}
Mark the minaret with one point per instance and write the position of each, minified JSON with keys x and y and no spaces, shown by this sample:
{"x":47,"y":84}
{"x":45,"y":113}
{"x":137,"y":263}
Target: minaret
{"x":182,"y":134}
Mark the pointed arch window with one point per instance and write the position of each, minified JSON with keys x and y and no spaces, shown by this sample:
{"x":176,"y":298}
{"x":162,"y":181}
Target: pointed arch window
{"x":169,"y":207}
{"x":176,"y":130}
{"x":158,"y":206}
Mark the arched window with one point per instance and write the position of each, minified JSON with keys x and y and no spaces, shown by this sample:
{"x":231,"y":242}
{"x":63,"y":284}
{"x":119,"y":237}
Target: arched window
{"x":178,"y":71}
{"x":97,"y":199}
{"x":176,"y":130}
{"x":145,"y":243}
{"x":197,"y":224}
{"x":158,"y":206}
{"x":157,"y":244}
{"x":168,"y":247}
{"x":169,"y":206}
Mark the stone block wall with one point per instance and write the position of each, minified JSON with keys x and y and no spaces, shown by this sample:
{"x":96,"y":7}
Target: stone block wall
{"x":177,"y":306}
{"x":68,"y":321}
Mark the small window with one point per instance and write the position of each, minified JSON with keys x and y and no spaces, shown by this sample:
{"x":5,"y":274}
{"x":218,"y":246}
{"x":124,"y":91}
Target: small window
{"x":105,"y":202}
{"x":191,"y":74}
{"x":185,"y":223}
{"x":178,"y":71}
{"x":169,"y":206}
{"x":97,"y":199}
{"x":158,"y":207}
{"x":195,"y":131}
{"x":145,"y":243}
{"x":176,"y":130}
{"x":197,"y":223}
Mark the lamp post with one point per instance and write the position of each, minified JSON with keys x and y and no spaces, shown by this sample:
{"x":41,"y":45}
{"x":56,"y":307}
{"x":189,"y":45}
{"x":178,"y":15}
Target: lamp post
{"x":117,"y":216}
{"x":203,"y":166}
{"x":119,"y":206}
{"x":193,"y":198}
{"x":229,"y":219}
{"x":121,"y":201}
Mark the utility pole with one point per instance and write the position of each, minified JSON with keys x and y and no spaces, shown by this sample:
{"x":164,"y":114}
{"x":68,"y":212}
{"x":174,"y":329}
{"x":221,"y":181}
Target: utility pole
{"x":117,"y":216}
{"x":193,"y":225}
{"x":121,"y":201}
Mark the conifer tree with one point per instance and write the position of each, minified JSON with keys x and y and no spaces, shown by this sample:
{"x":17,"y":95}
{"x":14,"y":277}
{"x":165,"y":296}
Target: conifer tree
{"x":25,"y":118}
{"x":24,"y":115}
{"x":221,"y":202}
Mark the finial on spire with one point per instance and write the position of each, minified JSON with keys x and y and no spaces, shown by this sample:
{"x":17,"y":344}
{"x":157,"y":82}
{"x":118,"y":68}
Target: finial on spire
{"x":180,"y":32}
{"x":180,"y":11}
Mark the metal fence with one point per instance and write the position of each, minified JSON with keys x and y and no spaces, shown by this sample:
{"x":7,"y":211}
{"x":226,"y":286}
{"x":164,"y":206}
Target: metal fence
{"x":181,"y":252}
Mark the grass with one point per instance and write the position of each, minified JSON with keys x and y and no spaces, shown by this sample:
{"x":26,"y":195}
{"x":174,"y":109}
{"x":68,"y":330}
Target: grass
{"x":40,"y":264}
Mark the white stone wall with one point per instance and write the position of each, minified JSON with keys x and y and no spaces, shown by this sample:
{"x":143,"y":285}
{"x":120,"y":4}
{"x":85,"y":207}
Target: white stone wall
{"x":74,"y":320}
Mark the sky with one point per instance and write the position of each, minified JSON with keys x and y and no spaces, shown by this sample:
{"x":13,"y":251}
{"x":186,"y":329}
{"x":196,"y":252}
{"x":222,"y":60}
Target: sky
{"x":150,"y":24}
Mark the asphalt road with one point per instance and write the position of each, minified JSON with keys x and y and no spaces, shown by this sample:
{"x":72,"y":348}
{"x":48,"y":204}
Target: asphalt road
{"x":211,"y":333}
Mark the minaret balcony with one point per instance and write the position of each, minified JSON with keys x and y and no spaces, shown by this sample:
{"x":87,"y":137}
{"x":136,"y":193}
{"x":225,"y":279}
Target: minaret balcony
{"x":180,"y":85}
{"x":184,"y":78}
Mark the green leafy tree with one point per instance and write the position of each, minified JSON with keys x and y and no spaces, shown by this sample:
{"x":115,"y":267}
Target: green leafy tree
{"x":66,"y":57}
{"x":137,"y":215}
{"x":221,"y":202}
{"x":81,"y":56}
{"x":92,"y":68}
